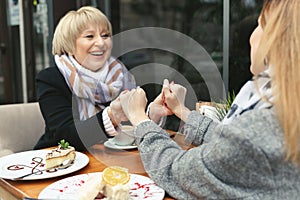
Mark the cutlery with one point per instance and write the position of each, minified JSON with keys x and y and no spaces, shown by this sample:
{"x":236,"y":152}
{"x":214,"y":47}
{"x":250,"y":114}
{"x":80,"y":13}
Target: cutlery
{"x":67,"y":163}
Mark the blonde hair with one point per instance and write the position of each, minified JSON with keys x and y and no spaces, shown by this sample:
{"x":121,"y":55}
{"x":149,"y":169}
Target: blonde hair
{"x":280,"y":45}
{"x":72,"y":24}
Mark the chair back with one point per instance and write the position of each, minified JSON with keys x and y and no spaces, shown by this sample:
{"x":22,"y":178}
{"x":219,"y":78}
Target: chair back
{"x":21,"y":125}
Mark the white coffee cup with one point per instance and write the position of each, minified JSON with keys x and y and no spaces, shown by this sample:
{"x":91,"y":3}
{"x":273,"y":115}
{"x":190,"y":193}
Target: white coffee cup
{"x":124,"y":136}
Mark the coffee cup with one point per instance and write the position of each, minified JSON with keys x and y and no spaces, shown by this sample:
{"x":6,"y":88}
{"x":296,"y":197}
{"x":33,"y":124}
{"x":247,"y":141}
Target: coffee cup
{"x":124,"y":136}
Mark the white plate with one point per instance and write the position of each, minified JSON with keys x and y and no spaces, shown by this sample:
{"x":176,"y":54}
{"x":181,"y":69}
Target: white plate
{"x":141,"y":187}
{"x":110,"y":144}
{"x":18,"y":164}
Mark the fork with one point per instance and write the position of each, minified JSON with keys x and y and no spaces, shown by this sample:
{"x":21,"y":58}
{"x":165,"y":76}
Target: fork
{"x":67,"y":163}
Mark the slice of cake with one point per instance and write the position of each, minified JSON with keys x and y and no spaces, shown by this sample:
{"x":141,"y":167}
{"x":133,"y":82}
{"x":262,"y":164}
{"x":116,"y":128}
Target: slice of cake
{"x":117,"y":192}
{"x":114,"y":182}
{"x":112,"y":185}
{"x":59,"y":155}
{"x":91,"y":189}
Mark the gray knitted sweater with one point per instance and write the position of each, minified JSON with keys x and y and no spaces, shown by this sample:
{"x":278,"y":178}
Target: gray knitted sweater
{"x":243,"y":160}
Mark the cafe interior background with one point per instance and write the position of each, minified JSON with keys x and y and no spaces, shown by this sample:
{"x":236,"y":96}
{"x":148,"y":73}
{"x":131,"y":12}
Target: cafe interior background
{"x":221,"y":27}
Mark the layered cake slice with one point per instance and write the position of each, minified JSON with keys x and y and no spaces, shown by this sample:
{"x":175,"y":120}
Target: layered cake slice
{"x":112,"y":184}
{"x":91,"y":189}
{"x":59,"y":155}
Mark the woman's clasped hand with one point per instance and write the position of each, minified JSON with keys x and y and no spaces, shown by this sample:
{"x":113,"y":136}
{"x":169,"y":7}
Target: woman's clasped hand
{"x":169,"y":101}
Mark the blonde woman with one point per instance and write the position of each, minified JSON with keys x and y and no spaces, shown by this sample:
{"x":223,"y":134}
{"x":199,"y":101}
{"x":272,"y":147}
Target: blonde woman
{"x":256,"y":155}
{"x":75,"y":94}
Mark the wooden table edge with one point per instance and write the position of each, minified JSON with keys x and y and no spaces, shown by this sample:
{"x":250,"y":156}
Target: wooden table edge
{"x":10,"y":189}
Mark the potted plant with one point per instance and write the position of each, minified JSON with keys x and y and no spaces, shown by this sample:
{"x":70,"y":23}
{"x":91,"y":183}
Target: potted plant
{"x":214,"y":110}
{"x":223,"y":107}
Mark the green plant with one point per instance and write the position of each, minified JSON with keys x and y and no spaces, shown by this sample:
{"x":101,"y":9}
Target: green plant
{"x":63,"y":144}
{"x":223,"y":107}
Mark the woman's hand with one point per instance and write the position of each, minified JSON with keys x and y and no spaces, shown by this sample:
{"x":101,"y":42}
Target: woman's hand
{"x":115,"y":112}
{"x":158,"y":108}
{"x":174,"y":97}
{"x":133,"y":104}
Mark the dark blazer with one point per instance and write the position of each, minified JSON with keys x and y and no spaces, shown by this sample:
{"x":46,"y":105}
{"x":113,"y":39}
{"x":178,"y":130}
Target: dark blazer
{"x":60,"y":112}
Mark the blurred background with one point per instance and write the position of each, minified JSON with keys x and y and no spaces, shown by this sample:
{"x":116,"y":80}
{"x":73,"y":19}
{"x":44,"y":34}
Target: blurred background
{"x":222,"y":27}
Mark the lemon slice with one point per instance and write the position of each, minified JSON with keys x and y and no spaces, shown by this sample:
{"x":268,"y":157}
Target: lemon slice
{"x":115,"y":175}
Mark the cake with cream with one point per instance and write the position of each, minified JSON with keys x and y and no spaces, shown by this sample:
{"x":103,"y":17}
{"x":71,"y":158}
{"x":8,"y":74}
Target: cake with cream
{"x":60,"y":154}
{"x":112,"y":184}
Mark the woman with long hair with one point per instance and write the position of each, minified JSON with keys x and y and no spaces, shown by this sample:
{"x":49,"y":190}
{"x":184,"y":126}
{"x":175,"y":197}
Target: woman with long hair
{"x":254,"y":153}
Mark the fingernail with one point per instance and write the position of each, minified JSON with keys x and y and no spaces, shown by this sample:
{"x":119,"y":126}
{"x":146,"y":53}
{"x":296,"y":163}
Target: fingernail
{"x":166,"y":82}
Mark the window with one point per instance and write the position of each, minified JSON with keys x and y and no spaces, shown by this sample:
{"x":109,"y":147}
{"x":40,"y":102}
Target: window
{"x":202,"y":21}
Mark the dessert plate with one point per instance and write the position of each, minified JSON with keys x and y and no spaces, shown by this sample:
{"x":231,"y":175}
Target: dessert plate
{"x":141,"y":187}
{"x":18,"y":164}
{"x":110,"y":144}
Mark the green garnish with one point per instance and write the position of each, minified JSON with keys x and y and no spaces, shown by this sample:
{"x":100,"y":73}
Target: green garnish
{"x":63,"y":144}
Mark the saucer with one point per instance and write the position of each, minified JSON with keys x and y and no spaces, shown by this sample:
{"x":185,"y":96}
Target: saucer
{"x":110,"y":144}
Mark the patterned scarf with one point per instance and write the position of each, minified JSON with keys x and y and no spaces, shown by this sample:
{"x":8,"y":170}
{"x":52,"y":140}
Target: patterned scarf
{"x":94,"y":89}
{"x":249,"y":98}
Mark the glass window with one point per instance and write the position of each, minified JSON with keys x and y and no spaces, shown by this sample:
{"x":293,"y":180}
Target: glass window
{"x":243,"y":20}
{"x":202,"y":21}
{"x":186,"y":46}
{"x":41,"y":33}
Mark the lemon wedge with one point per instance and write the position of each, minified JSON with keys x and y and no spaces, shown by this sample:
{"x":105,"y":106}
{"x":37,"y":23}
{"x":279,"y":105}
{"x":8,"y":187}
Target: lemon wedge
{"x":115,"y":175}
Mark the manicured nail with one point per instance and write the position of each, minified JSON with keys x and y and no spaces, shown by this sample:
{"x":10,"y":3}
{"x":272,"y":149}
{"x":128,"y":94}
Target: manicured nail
{"x":166,"y":82}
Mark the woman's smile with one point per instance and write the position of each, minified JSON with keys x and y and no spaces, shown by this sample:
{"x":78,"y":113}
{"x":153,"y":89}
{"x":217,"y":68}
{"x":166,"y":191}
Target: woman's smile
{"x":93,"y":48}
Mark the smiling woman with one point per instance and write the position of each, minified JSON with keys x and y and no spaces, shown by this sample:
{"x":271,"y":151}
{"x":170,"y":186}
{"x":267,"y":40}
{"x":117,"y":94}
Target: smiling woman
{"x":93,"y":47}
{"x":91,"y":31}
{"x":74,"y":94}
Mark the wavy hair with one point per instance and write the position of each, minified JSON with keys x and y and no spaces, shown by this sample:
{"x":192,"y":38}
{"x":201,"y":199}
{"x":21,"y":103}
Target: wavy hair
{"x":280,"y":46}
{"x":71,"y":26}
